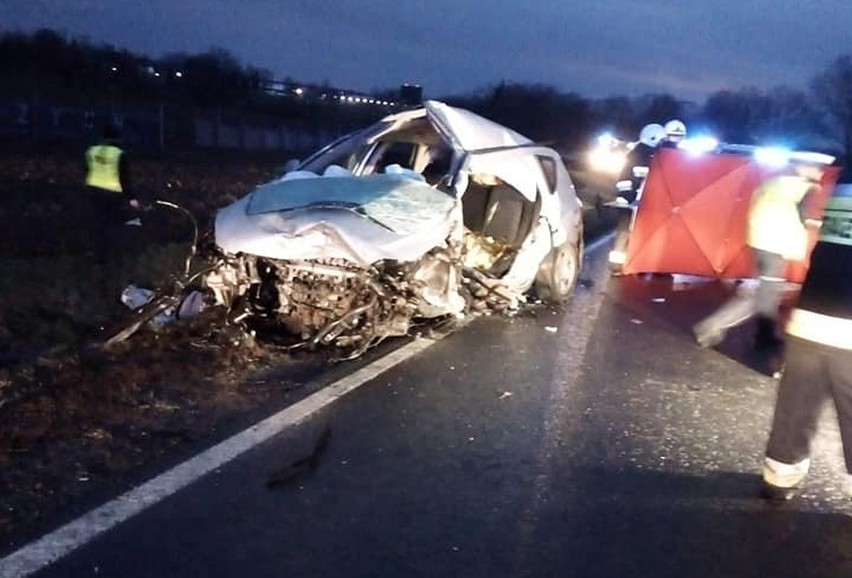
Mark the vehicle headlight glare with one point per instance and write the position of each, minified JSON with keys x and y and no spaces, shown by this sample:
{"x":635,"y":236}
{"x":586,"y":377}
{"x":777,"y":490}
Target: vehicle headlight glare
{"x":772,"y":156}
{"x":699,"y":145}
{"x":607,"y":160}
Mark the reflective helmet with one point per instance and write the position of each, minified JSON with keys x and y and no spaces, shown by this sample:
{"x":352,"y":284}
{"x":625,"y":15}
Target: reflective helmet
{"x":675,"y":130}
{"x":652,"y":134}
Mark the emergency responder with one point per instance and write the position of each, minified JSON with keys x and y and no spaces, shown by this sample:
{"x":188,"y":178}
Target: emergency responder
{"x":638,"y":161}
{"x":776,"y":233}
{"x":675,"y":133}
{"x":818,"y":360}
{"x":114,"y":230}
{"x":107,"y":169}
{"x":629,"y":188}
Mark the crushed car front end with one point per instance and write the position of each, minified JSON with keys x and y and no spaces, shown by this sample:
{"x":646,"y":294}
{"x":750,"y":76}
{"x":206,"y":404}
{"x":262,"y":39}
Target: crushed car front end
{"x":339,"y":260}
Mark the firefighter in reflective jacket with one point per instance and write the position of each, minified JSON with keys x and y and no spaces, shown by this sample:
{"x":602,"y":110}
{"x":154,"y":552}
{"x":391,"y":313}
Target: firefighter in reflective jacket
{"x":629,"y":187}
{"x":818,"y":360}
{"x":776,"y":234}
{"x":632,"y":177}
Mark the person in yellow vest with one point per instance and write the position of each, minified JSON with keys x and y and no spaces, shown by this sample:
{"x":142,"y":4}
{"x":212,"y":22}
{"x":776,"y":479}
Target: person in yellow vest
{"x":776,"y":234}
{"x":108,"y":168}
{"x":110,"y":213}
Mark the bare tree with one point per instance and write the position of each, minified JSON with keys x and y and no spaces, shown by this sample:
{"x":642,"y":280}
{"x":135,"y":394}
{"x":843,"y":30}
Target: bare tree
{"x":752,"y":115}
{"x":736,"y":115}
{"x":791,"y":116}
{"x":616,"y":113}
{"x":832,"y":89}
{"x":657,"y":108}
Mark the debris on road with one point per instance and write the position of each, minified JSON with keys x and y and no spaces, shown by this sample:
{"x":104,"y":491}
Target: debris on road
{"x":302,"y":465}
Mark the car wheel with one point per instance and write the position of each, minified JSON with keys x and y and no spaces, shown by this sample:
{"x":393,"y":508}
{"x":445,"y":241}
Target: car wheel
{"x":558,"y":274}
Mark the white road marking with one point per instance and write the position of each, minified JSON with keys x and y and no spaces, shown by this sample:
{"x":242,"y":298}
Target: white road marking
{"x":49,"y":548}
{"x":598,"y":243}
{"x":53,"y":546}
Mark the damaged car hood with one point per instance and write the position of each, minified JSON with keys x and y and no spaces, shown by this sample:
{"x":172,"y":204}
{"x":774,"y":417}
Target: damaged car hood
{"x":359,"y":219}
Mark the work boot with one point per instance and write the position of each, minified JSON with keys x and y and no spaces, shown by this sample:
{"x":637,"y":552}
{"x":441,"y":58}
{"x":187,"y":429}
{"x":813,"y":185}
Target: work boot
{"x":780,"y":481}
{"x":707,"y":337}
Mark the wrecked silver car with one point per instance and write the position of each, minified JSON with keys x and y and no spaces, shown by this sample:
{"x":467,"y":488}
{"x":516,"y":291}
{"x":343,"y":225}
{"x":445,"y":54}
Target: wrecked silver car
{"x":412,"y":218}
{"x":429,"y":213}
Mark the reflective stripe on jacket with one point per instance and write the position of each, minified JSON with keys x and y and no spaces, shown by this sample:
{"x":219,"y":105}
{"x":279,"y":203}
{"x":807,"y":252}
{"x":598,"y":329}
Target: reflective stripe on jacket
{"x":102,"y":161}
{"x":774,"y":222}
{"x":823,"y":313}
{"x":824,"y":329}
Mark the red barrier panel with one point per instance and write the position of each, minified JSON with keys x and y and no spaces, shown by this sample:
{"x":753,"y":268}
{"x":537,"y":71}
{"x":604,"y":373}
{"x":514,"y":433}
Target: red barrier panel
{"x":693,"y":214}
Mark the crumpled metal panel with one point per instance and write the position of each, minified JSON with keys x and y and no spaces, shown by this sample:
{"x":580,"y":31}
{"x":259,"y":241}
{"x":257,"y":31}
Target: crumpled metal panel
{"x":471,"y":132}
{"x":361,"y":219}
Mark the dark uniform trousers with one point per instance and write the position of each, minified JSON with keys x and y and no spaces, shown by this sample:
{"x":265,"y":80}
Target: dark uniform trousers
{"x":814,"y":373}
{"x":107,"y":215}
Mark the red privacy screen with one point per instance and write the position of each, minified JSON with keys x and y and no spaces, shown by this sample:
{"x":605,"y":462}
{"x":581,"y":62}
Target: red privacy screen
{"x":692,"y":216}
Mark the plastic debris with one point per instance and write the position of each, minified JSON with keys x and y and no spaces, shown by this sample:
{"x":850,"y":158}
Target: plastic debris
{"x":135,"y":297}
{"x":192,"y":304}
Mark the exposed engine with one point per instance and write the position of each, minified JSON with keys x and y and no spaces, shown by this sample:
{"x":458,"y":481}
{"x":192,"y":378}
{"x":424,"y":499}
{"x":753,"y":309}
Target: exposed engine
{"x":332,"y":302}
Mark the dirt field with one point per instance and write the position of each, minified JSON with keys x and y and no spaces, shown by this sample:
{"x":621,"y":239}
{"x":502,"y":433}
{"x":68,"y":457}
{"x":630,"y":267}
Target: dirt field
{"x":77,"y":423}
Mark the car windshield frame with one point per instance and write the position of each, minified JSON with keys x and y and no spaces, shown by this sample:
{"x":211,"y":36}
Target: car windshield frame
{"x":352,"y":145}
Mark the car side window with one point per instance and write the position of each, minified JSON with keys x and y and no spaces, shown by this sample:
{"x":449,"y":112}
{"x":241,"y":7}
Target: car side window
{"x":548,"y":167}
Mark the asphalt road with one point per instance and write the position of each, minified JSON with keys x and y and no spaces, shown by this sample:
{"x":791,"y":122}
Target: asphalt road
{"x":593,"y":441}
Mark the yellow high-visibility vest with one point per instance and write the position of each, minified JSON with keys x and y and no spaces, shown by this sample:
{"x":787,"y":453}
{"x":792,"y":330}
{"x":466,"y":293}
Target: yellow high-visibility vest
{"x":103,"y":167}
{"x":774,"y":224}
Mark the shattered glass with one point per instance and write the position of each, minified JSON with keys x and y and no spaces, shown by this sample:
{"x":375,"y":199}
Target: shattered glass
{"x":397,"y":202}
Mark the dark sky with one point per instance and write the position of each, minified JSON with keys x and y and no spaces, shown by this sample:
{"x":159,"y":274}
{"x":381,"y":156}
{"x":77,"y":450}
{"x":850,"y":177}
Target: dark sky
{"x":593,"y":47}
